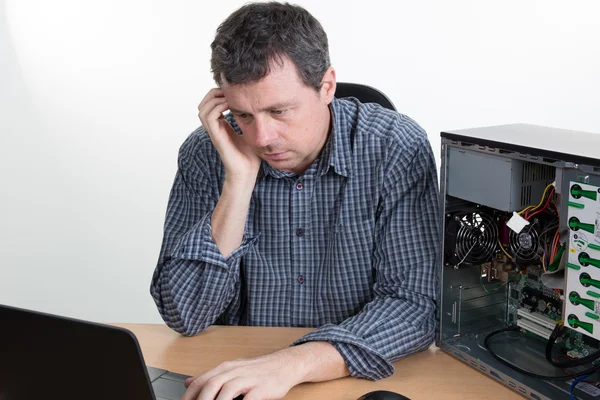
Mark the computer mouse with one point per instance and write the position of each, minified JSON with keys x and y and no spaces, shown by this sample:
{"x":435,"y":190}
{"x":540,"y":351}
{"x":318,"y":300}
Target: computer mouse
{"x":382,"y":395}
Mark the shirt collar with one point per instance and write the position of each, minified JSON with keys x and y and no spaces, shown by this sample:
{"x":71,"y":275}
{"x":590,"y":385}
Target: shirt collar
{"x":266,"y":170}
{"x":336,"y":153}
{"x":339,"y":147}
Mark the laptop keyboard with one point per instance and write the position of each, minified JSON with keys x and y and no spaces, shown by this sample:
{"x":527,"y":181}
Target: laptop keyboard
{"x":167,"y":385}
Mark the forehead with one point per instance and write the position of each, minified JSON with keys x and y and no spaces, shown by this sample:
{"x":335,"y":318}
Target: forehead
{"x":281,"y":84}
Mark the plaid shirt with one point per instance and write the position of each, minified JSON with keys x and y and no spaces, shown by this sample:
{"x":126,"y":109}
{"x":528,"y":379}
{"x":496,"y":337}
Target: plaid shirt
{"x":349,"y":246}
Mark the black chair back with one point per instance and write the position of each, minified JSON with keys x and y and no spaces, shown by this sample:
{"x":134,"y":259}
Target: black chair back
{"x":364,"y":93}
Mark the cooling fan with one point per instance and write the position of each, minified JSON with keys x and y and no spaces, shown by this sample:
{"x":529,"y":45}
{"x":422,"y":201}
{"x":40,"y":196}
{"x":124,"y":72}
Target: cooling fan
{"x":471,"y":237}
{"x":524,"y":245}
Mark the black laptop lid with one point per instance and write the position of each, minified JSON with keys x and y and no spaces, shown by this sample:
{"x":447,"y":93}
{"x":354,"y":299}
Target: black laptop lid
{"x":49,"y":357}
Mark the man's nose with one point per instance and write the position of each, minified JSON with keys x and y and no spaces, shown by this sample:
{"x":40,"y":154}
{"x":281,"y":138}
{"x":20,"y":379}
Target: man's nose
{"x":266,"y":132}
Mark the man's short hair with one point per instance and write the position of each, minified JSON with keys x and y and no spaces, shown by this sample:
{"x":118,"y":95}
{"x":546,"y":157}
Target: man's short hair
{"x":257,"y":34}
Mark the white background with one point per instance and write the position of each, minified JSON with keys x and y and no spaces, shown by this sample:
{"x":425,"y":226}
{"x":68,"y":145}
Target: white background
{"x":97,"y":96}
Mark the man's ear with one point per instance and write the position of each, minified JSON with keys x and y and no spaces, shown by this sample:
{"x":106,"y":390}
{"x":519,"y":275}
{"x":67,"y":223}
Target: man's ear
{"x":328,"y":85}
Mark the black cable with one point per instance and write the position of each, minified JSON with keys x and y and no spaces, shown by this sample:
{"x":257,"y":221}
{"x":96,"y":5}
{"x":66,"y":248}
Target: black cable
{"x":486,"y":343}
{"x":556,"y":332}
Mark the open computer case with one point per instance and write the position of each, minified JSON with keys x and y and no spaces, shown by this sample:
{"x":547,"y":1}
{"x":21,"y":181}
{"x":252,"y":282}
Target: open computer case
{"x":520,"y":260}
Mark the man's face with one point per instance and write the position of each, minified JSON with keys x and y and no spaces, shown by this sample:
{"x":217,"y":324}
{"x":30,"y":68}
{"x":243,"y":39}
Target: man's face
{"x":284,"y":121}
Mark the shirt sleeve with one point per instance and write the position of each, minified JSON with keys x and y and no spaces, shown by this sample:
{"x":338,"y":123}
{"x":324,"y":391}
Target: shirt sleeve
{"x":400,"y":320}
{"x":193,"y":283}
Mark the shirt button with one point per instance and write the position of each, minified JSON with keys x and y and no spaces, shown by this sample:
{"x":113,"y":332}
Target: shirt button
{"x":299,"y":186}
{"x":300,"y":232}
{"x":301,"y":279}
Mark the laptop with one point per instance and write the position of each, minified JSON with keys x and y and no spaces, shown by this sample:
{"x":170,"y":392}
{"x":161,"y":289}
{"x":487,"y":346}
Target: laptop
{"x":52,"y":357}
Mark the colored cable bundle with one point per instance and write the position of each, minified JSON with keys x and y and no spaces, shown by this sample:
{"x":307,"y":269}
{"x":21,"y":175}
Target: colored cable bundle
{"x":546,"y":203}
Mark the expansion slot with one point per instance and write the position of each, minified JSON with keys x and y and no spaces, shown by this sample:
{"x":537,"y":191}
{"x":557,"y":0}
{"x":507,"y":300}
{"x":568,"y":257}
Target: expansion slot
{"x":534,"y":328}
{"x":536,"y":318}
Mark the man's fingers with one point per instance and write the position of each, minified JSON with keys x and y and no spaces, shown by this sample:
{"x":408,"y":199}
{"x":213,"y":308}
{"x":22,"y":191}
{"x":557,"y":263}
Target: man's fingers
{"x":200,"y":389}
{"x":189,"y":380}
{"x":253,"y":395}
{"x":233,"y":388}
{"x":217,"y":111}
{"x":213,"y":386}
{"x":193,"y":390}
{"x":210,"y":105}
{"x":212,"y":119}
{"x":213,"y":93}
{"x":197,"y":383}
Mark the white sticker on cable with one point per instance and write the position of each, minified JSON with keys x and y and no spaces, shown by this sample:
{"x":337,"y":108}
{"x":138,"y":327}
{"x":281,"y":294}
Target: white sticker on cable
{"x":516,"y":223}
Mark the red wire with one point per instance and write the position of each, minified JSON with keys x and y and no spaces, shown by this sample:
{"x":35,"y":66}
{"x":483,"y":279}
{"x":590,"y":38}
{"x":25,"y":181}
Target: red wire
{"x":527,"y":216}
{"x":554,"y":246}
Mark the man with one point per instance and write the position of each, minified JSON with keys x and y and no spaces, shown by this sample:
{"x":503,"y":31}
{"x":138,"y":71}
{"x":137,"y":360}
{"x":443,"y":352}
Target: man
{"x":298,"y":209}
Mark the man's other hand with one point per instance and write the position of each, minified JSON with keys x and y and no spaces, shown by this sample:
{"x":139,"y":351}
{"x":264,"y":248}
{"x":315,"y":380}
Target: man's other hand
{"x":265,"y":377}
{"x":270,"y":376}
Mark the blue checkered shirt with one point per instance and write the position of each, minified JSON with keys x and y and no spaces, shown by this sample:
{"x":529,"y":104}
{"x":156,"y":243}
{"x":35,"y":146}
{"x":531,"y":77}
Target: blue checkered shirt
{"x":348,"y":247}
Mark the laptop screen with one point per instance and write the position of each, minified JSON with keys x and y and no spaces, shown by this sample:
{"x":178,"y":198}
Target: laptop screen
{"x":46,"y":356}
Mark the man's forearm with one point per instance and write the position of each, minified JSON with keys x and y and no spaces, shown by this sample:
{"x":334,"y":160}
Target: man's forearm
{"x":229,"y":216}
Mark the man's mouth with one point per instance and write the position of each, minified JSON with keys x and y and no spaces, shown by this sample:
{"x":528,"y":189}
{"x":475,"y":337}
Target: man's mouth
{"x":276,"y":156}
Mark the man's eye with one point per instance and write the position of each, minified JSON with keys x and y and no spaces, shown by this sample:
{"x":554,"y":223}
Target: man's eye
{"x":243,"y":116}
{"x":278,"y":112}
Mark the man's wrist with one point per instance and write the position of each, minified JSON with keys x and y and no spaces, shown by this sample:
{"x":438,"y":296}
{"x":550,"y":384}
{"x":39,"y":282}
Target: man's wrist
{"x":239,"y":189}
{"x":243,"y":181}
{"x":317,"y":361}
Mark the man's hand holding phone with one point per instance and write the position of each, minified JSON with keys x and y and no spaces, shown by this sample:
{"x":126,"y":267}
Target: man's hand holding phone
{"x":241,"y":164}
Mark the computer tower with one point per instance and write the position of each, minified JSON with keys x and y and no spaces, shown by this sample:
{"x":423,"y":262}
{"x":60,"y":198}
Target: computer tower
{"x":520,"y":253}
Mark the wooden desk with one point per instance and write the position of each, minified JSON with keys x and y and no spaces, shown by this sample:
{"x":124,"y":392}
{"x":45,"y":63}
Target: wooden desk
{"x":431,"y":374}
